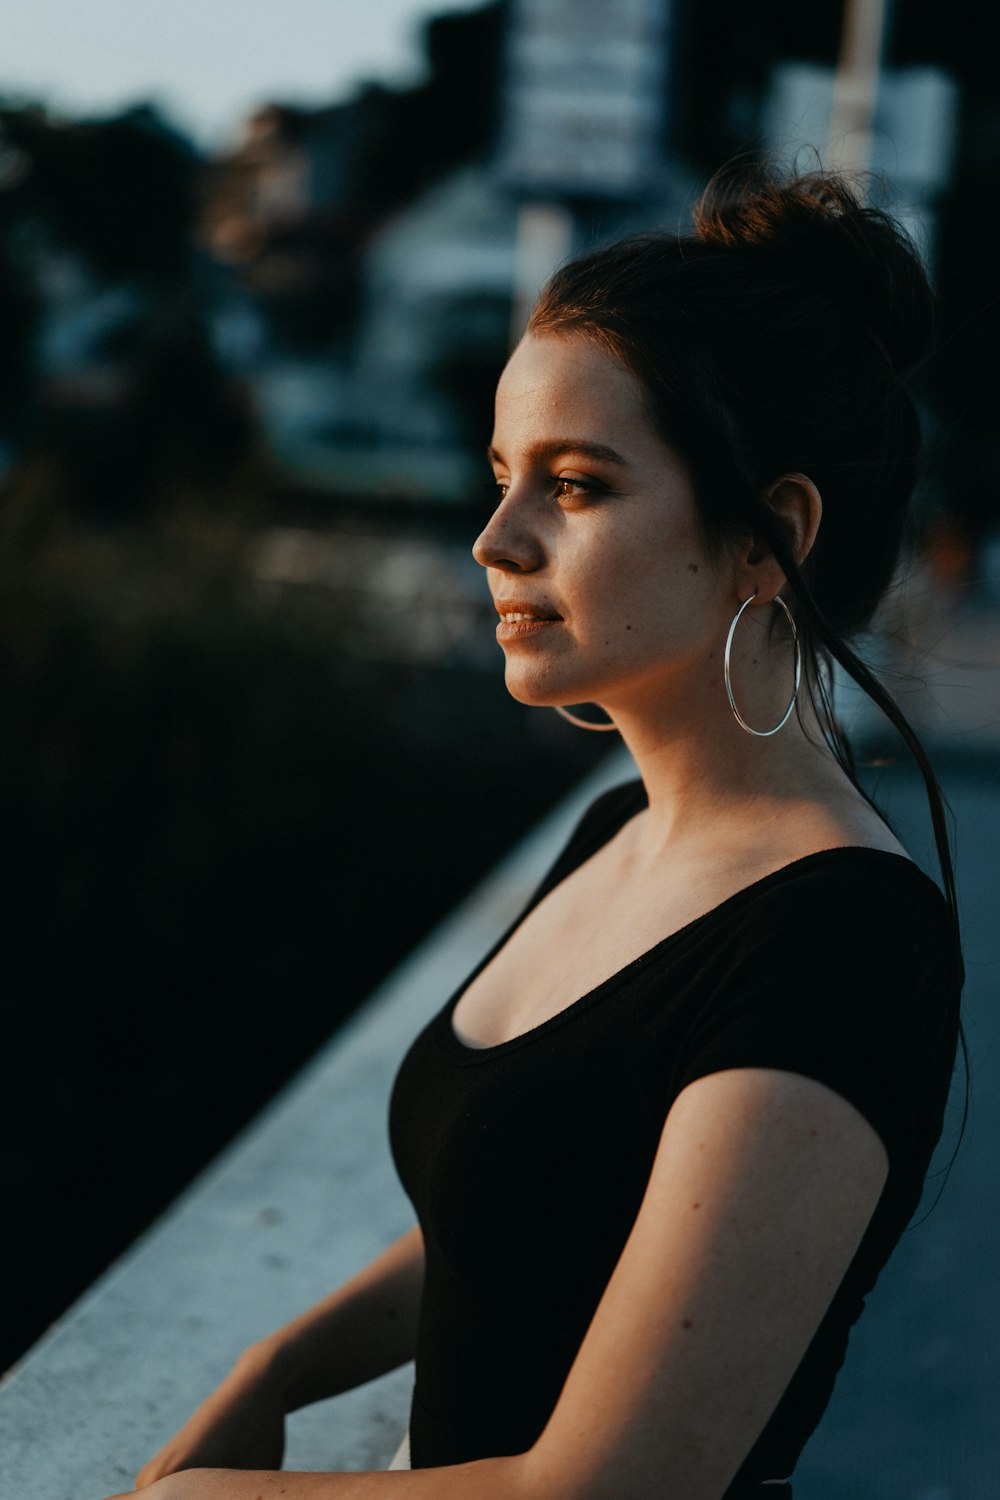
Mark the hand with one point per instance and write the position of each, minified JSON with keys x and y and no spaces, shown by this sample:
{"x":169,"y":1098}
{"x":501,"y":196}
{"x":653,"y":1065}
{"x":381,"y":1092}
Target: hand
{"x":173,"y":1487}
{"x":241,"y":1425}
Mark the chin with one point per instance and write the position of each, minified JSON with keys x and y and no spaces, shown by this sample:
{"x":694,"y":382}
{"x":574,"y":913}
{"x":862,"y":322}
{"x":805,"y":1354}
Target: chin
{"x":541,"y":695}
{"x":520,"y":687}
{"x":532,"y":700}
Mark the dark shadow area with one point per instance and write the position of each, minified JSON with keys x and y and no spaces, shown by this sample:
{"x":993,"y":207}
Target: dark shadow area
{"x":222,"y":828}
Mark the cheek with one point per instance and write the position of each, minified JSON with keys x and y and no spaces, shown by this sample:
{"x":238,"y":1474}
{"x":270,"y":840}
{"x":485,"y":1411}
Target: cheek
{"x":658,"y":590}
{"x":678,"y":610}
{"x":641,"y":586}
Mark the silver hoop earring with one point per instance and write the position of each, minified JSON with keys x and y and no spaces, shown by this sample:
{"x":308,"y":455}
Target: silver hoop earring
{"x":581,"y":723}
{"x":763,"y":734}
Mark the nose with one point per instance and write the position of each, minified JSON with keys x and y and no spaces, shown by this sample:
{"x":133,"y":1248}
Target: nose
{"x":508,"y":541}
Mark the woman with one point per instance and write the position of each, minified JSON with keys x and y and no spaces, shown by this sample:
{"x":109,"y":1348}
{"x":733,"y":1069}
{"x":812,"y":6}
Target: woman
{"x":663,"y":1140}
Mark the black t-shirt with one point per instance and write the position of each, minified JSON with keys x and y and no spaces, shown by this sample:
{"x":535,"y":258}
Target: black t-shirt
{"x":527,"y":1162}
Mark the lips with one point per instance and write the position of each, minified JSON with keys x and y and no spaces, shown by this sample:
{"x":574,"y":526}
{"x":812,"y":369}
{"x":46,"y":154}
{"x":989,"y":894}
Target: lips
{"x":520,"y":619}
{"x":522,"y":609}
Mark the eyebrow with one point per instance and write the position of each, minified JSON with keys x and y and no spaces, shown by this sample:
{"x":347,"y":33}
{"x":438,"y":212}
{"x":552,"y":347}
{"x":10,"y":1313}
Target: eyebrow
{"x":557,"y":446}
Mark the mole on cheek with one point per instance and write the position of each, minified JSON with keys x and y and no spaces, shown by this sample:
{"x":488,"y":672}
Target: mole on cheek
{"x":692,"y":567}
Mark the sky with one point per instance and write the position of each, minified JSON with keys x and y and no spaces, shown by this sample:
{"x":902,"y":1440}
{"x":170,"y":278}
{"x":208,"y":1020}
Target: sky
{"x":207,"y":63}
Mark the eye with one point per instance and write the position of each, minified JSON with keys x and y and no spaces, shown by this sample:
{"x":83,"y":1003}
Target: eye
{"x":572,"y":489}
{"x":495,"y":490}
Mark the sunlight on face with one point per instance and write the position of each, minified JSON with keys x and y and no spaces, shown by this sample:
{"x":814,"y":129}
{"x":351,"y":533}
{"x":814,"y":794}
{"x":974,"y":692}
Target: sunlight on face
{"x":595,"y":549}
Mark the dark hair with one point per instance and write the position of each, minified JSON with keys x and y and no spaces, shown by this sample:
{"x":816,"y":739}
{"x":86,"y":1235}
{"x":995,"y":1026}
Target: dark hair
{"x":777,"y":339}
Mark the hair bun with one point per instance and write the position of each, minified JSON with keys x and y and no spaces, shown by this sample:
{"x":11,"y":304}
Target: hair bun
{"x":816,"y":227}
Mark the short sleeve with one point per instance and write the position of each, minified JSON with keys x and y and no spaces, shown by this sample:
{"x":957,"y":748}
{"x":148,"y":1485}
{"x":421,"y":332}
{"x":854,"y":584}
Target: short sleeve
{"x":842,"y":974}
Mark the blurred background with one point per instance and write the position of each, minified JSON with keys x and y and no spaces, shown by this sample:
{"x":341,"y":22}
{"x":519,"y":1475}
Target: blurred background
{"x":258,"y":274}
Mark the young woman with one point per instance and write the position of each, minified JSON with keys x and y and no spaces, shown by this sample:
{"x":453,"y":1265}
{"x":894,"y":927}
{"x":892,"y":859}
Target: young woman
{"x":662,"y":1142}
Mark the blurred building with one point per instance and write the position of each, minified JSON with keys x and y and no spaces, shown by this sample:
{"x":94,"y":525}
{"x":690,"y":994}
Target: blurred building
{"x":597,"y":130}
{"x":915,"y":133}
{"x":401,"y":405}
{"x":360,"y":269}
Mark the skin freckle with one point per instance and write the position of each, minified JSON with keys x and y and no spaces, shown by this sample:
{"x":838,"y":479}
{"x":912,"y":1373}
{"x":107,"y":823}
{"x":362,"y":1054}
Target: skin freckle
{"x":687,"y":1323}
{"x":696,"y":1205}
{"x":692,"y":567}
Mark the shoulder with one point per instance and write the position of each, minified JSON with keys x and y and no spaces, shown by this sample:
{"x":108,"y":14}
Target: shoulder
{"x":863,"y":932}
{"x":858,"y":935}
{"x":840,"y":968}
{"x":600,"y":822}
{"x":614,"y":807}
{"x":845,"y":896}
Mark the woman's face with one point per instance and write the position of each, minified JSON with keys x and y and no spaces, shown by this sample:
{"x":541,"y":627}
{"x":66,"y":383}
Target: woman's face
{"x":595,"y":542}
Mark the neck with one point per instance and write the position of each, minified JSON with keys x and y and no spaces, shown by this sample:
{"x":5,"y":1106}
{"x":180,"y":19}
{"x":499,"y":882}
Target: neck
{"x":707,"y":779}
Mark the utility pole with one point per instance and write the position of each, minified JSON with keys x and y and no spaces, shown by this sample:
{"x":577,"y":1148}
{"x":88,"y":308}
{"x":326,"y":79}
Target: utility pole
{"x":544,"y":241}
{"x":855,"y":85}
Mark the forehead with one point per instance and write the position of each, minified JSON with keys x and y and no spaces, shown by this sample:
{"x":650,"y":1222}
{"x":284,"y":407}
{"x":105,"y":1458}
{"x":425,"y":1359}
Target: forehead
{"x":569,"y":381}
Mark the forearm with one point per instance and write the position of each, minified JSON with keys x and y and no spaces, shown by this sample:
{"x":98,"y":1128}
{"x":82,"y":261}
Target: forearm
{"x":365,"y":1328}
{"x":487,"y":1479}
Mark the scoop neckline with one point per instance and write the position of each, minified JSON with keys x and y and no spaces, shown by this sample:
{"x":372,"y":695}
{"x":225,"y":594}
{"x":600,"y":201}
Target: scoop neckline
{"x":466,"y":1054}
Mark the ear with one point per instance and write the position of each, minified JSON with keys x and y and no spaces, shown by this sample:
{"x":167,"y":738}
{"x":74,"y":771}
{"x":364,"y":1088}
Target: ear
{"x":796,"y":503}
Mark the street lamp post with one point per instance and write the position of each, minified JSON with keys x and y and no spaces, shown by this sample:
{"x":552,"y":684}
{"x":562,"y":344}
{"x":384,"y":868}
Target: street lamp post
{"x":855,"y":86}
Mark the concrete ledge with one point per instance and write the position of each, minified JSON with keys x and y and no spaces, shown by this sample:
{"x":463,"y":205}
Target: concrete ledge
{"x":300,"y":1201}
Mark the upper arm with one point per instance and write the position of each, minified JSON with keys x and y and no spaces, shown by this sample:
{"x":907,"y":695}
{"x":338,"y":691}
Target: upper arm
{"x":762,"y":1187}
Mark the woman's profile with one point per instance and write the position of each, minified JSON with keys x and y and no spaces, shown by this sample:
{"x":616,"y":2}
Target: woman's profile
{"x":662,"y":1141}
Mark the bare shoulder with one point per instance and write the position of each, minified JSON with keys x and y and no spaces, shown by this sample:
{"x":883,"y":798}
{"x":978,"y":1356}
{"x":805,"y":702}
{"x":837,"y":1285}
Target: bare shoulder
{"x":848,"y":822}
